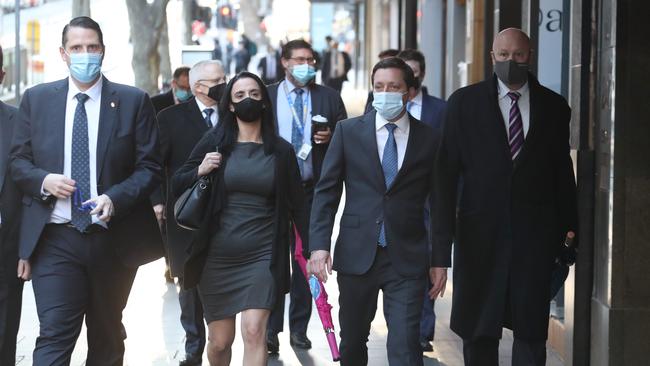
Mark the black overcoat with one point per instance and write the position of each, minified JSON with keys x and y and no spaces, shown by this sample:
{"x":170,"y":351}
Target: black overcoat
{"x":510,"y":218}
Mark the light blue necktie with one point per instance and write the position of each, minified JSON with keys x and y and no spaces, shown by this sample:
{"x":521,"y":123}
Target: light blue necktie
{"x":389,"y":166}
{"x":297,"y":136}
{"x":80,"y":163}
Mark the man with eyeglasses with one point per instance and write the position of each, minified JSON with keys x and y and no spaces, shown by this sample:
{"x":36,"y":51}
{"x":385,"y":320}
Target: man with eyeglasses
{"x":85,"y":156}
{"x":306,"y":115}
{"x":181,"y":127}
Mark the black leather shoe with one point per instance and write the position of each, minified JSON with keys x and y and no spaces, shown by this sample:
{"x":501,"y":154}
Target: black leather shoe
{"x":426,"y":346}
{"x":300,"y":340}
{"x":191,"y":360}
{"x":272,"y":343}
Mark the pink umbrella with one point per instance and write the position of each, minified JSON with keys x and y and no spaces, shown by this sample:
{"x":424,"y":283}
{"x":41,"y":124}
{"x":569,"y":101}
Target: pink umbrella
{"x":320,"y":298}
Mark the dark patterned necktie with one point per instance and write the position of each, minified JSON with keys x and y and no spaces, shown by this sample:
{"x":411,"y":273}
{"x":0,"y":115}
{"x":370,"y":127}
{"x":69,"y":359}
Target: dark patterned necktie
{"x":515,"y":126}
{"x":208,"y":113}
{"x":80,"y":164}
{"x":389,"y":166}
{"x":297,"y":127}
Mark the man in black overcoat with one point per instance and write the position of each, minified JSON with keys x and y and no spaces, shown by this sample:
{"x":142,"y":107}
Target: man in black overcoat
{"x":507,"y":140}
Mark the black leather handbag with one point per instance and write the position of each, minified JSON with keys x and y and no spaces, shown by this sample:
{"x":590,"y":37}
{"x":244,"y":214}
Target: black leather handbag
{"x":190,"y":207}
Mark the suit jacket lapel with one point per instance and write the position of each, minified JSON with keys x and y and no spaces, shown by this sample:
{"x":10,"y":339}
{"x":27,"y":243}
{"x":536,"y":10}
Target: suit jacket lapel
{"x":369,"y":142}
{"x":196,"y":116}
{"x":316,"y":102}
{"x":498,"y":124}
{"x":57,"y":105}
{"x":107,"y":121}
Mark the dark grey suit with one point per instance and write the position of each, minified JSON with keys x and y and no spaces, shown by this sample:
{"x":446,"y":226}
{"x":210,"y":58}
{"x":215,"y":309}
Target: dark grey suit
{"x":87,"y":275}
{"x":362,"y":267}
{"x":11,"y":288}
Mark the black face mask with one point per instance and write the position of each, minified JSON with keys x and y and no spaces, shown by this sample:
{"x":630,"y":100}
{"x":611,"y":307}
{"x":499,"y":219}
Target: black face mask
{"x":510,"y":72}
{"x":216,"y":92}
{"x":249,"y":109}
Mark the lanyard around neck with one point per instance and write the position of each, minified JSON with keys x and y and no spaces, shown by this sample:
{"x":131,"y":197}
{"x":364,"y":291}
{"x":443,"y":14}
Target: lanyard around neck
{"x":305,"y":107}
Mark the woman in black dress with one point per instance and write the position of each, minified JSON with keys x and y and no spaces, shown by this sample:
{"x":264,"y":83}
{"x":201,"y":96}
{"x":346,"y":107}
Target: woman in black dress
{"x":240,"y":255}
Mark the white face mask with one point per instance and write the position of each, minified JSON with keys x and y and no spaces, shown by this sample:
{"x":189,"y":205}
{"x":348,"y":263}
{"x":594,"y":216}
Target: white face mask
{"x":85,"y":67}
{"x":388,"y":104}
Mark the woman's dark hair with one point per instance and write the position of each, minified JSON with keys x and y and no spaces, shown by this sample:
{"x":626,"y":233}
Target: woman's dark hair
{"x":228,"y":122}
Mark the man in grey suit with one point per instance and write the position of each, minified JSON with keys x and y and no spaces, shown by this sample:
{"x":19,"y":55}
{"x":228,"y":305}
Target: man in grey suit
{"x":385,"y":159}
{"x":11,"y":287}
{"x":87,"y":221}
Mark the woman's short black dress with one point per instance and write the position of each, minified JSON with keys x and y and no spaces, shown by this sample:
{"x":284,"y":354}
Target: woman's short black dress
{"x":237,"y":273}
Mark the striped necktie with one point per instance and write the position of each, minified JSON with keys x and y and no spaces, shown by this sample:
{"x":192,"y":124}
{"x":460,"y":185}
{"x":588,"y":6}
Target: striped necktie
{"x":515,"y":126}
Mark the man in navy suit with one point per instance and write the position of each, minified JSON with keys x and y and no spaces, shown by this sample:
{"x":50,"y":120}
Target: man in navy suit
{"x":430,"y":110}
{"x":87,"y":220}
{"x":11,"y":287}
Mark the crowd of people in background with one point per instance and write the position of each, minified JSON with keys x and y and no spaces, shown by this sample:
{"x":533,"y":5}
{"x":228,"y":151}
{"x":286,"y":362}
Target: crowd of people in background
{"x":90,"y":172}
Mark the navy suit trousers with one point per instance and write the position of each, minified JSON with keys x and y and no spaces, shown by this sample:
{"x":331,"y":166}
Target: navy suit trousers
{"x":77,"y":276}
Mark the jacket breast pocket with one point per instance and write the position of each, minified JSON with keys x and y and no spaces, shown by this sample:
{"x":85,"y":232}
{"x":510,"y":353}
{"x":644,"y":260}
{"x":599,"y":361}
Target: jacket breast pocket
{"x":349,"y":220}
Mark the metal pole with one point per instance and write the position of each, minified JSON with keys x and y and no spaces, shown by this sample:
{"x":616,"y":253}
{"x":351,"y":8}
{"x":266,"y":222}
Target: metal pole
{"x":17,"y":52}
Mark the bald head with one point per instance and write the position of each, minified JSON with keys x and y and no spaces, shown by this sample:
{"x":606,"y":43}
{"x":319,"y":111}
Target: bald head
{"x":511,"y":44}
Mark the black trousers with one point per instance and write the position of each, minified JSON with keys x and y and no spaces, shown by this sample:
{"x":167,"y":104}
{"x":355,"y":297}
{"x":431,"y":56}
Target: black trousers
{"x":11,"y":298}
{"x":402,"y":309}
{"x":299,"y":294}
{"x":485,"y":352}
{"x":77,"y":276}
{"x":192,"y":319}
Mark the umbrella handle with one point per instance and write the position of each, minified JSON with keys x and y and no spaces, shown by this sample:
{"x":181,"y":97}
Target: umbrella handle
{"x":331,"y":339}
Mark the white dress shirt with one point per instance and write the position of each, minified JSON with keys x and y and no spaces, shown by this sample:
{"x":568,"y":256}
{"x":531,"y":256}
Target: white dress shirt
{"x":214,"y":117}
{"x":523,"y":102}
{"x":415,"y":106}
{"x":62,"y":212}
{"x":285,"y":120}
{"x":401,"y":134}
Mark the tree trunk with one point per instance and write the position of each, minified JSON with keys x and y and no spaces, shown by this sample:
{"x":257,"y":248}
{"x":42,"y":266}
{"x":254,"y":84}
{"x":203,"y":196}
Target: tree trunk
{"x":163,"y":52}
{"x":248,"y":14}
{"x":188,"y":17}
{"x":80,"y":7}
{"x":146,"y":22}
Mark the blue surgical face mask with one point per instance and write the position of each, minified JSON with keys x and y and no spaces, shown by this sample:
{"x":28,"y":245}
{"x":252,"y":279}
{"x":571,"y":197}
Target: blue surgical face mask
{"x":85,"y":67}
{"x":182,"y":94}
{"x":388,"y":104}
{"x":303,"y":73}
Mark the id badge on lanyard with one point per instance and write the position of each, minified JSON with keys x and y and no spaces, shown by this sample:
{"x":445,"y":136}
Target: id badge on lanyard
{"x":304,"y":151}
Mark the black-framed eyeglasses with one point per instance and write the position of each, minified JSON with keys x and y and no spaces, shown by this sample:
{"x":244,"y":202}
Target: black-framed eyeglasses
{"x":304,"y":60}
